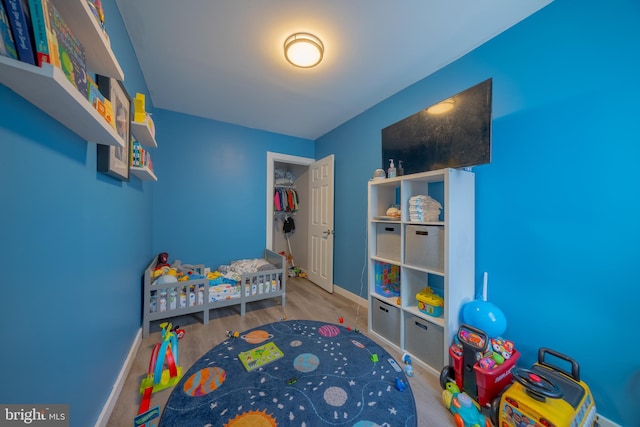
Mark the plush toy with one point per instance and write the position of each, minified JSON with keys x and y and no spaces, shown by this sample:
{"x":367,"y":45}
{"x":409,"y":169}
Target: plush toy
{"x":163,"y":260}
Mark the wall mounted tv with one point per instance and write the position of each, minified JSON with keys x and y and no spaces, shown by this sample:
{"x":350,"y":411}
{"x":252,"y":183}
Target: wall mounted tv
{"x":454,"y":133}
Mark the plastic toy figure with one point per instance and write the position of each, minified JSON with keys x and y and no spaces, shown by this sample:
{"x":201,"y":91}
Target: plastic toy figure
{"x":179,"y":332}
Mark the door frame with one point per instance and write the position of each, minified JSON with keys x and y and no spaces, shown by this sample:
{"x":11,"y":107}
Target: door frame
{"x":272,"y":158}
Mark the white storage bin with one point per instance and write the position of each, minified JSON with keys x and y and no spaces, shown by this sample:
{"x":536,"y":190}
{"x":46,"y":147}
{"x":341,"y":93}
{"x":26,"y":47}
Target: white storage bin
{"x":388,"y":241}
{"x":424,"y":247}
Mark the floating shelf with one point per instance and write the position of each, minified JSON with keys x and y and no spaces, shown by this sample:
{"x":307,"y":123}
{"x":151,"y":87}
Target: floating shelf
{"x":47,"y":88}
{"x":143,"y":173}
{"x":143,"y":135}
{"x":82,"y":23}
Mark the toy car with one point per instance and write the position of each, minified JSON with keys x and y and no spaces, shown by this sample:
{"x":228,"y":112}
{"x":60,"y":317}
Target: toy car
{"x":464,"y":409}
{"x":545,"y":395}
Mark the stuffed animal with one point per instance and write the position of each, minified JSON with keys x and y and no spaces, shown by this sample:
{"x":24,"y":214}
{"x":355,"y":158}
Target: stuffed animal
{"x":163,"y":260}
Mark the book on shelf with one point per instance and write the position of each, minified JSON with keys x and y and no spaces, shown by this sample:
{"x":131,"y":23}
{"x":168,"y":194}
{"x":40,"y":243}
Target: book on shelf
{"x":7,"y":45}
{"x":140,"y":157}
{"x":95,"y":6}
{"x":44,"y":45}
{"x":21,"y":28}
{"x":57,"y":45}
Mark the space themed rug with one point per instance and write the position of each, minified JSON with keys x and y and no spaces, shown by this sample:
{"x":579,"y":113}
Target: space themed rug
{"x":293,"y":373}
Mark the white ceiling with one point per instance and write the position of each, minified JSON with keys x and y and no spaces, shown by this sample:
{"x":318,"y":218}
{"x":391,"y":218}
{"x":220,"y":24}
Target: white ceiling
{"x":223,"y":59}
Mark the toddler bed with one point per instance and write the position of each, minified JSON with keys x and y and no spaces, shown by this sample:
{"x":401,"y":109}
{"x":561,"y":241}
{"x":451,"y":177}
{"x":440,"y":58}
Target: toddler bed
{"x":245,"y":281}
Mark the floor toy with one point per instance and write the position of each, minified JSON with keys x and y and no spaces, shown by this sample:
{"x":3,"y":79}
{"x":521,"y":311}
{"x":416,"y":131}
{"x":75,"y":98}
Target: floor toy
{"x":400,"y":385}
{"x":482,"y":383}
{"x":466,"y":412}
{"x":163,"y":372}
{"x":484,"y":315}
{"x":180,"y":333}
{"x":260,"y":356}
{"x":546,"y":395}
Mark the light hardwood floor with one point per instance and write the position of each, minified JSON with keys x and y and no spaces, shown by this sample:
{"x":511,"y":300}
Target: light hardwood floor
{"x":304,"y":301}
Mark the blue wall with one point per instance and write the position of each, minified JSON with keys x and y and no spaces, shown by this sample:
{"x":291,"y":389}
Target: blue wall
{"x":74,"y":242}
{"x":73,"y":245}
{"x":210,"y":198}
{"x":557,"y":209}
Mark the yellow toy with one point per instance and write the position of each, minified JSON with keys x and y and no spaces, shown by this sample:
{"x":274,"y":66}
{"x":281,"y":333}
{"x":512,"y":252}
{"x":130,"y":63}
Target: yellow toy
{"x":545,"y":395}
{"x":139,"y":113}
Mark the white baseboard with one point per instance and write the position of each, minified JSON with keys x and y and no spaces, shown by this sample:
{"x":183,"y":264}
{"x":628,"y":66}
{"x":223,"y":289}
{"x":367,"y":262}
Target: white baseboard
{"x":604,"y":422}
{"x":350,"y":295}
{"x":103,"y":419}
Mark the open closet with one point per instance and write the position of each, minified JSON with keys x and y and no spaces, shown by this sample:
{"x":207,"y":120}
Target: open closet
{"x":289,"y":200}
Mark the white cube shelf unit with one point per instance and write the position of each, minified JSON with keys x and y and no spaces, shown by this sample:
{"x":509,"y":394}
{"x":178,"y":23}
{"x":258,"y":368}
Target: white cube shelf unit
{"x":439,"y":254}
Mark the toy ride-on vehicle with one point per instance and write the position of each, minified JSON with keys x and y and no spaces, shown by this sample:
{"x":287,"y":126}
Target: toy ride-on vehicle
{"x":466,"y":412}
{"x":481,"y":383}
{"x":545,"y":395}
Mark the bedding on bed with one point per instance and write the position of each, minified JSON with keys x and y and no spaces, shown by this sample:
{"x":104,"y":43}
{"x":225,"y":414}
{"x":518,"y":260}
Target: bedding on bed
{"x":242,"y":266}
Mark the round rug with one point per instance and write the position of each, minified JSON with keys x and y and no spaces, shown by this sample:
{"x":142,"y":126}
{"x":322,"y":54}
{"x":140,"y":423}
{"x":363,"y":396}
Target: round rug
{"x":293,"y":373}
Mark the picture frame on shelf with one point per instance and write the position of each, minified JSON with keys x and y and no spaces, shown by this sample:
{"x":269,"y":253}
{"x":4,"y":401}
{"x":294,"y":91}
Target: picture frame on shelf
{"x":114,"y":161}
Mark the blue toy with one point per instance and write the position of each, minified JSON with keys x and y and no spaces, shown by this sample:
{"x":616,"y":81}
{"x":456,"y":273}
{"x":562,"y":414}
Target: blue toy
{"x":484,"y":315}
{"x":465,"y":411}
{"x":400,"y":385}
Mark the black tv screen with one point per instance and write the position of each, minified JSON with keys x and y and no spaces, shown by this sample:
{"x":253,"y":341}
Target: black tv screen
{"x":453,"y":133}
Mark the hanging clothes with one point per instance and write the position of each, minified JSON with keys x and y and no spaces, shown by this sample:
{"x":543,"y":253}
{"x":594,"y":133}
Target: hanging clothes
{"x":285,"y":199}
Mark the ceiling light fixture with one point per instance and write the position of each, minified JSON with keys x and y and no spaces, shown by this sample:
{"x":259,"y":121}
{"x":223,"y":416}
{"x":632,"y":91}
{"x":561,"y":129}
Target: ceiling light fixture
{"x":442,"y":106}
{"x":303,"y":50}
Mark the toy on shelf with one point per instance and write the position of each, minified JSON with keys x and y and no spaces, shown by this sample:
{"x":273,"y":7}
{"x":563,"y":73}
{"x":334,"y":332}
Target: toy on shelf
{"x":429,"y":302}
{"x":546,"y":395}
{"x":466,"y":412}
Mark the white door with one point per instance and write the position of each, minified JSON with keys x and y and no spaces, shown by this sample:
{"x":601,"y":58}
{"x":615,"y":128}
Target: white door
{"x":320,"y":269}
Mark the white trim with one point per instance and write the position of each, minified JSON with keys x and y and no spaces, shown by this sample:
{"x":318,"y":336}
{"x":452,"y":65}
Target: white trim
{"x":271,"y":159}
{"x":103,"y":419}
{"x":350,"y":295}
{"x":605,"y":422}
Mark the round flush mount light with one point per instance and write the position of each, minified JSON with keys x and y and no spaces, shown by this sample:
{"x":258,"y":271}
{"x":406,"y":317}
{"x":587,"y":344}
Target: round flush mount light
{"x":303,"y":50}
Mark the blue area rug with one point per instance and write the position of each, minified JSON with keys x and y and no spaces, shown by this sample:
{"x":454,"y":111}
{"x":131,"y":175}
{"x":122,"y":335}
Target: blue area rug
{"x":292,"y":373}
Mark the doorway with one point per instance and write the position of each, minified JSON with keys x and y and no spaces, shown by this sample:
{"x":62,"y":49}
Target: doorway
{"x":299,"y":169}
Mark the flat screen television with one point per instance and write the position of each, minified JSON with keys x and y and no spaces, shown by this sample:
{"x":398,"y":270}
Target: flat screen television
{"x":454,"y":133}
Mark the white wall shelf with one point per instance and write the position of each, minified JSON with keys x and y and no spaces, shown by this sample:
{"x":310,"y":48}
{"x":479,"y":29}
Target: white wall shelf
{"x":47,"y":88}
{"x":143,"y":135}
{"x":82,"y":23}
{"x":143,"y":173}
